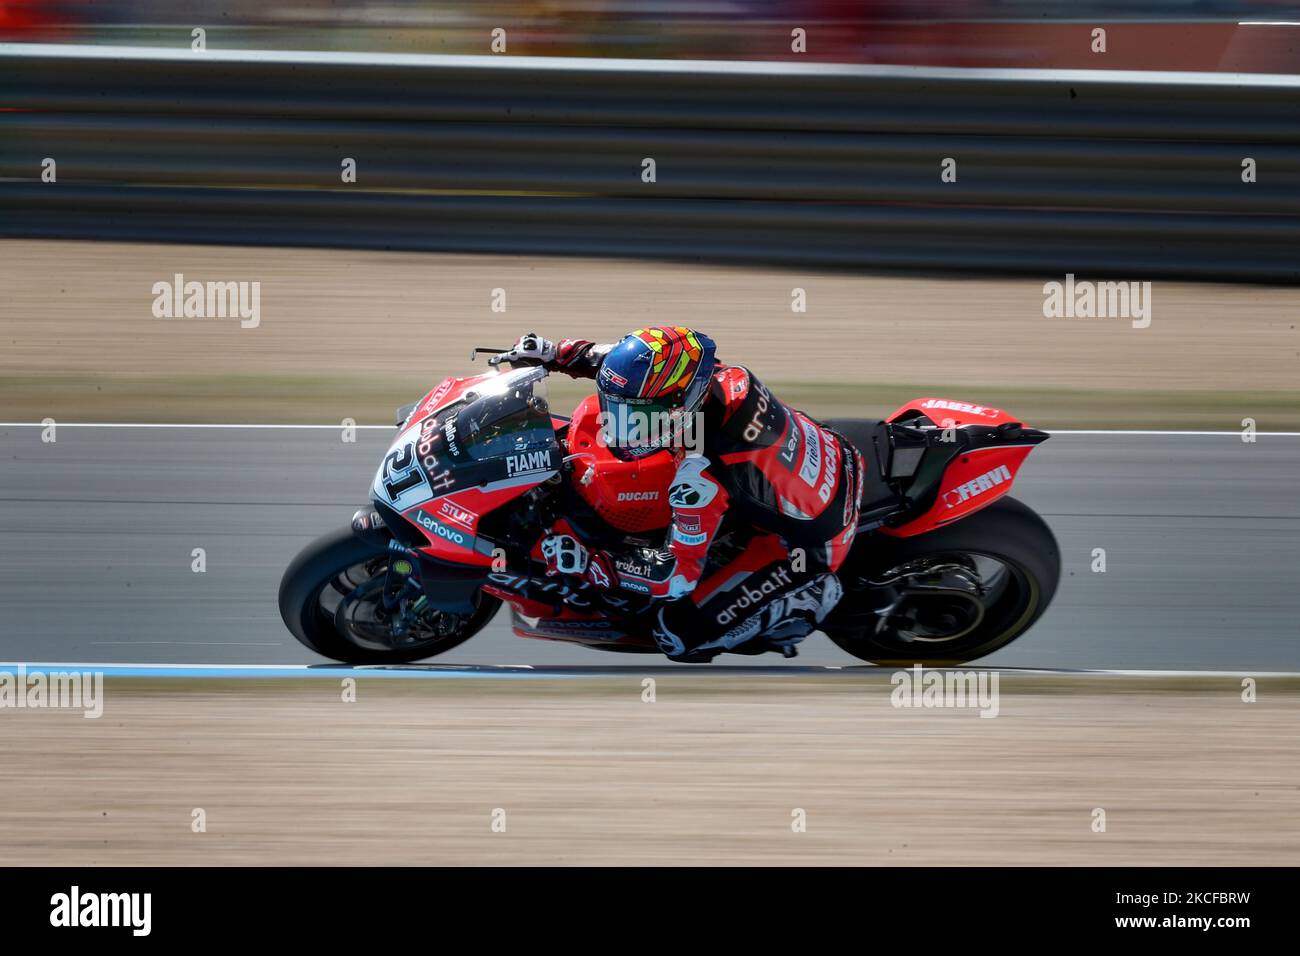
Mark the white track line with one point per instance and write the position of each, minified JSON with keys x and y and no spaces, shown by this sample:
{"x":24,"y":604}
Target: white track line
{"x":324,"y":667}
{"x":197,"y":425}
{"x":1122,"y":431}
{"x":1055,"y":431}
{"x":632,"y":669}
{"x":597,"y":65}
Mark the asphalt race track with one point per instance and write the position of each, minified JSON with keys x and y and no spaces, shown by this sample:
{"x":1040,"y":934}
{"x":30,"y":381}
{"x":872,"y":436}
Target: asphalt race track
{"x":1201,"y":535}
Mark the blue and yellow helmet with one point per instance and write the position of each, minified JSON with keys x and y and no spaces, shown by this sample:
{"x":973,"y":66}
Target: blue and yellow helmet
{"x":654,"y":376}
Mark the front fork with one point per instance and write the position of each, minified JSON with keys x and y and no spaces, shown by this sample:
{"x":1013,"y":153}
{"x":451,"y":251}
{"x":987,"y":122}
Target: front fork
{"x":403,"y":595}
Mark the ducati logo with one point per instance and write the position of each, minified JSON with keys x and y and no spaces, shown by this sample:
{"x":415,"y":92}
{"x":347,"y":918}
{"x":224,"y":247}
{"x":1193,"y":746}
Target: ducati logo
{"x":638,"y":496}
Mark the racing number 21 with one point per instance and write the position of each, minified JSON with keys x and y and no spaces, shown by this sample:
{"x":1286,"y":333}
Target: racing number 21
{"x":401,"y":473}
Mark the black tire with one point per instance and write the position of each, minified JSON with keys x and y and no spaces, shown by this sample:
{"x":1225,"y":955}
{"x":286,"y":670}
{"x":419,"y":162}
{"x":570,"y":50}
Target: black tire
{"x":319,"y":566}
{"x":1007,"y":532}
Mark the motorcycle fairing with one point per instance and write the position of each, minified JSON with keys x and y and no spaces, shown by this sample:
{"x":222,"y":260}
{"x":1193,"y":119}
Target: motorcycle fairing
{"x":970,"y":482}
{"x":574,"y":628}
{"x":951,"y":467}
{"x":559,"y":610}
{"x":947,"y":413}
{"x":489,"y":440}
{"x":443,"y":394}
{"x":632,"y":495}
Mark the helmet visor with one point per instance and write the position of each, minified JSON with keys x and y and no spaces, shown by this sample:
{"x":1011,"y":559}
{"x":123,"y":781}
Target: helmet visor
{"x":632,"y":427}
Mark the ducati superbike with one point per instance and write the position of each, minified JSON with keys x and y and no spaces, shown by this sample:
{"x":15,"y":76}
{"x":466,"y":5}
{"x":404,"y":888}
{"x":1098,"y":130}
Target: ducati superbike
{"x":945,"y":567}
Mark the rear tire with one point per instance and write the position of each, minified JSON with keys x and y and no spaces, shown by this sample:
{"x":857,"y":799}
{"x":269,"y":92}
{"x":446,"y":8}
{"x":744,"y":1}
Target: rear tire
{"x":1006,"y":534}
{"x":340,"y":564}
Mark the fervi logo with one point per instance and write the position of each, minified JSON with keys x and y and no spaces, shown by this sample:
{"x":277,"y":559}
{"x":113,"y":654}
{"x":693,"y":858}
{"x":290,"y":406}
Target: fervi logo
{"x":976,"y":486}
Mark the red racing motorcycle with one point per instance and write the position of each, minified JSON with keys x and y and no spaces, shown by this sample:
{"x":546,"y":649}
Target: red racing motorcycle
{"x":946,"y":567}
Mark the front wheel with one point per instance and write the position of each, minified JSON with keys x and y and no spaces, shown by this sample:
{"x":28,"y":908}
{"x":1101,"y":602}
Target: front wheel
{"x":337,"y":598}
{"x":948,"y":596}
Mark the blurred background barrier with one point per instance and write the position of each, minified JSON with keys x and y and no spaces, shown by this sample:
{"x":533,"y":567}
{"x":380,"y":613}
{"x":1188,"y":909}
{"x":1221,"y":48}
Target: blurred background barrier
{"x":1137,"y":173}
{"x":1256,"y":36}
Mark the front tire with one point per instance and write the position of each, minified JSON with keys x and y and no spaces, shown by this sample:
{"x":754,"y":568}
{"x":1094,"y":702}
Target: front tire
{"x":948,"y":596}
{"x":331,"y":601}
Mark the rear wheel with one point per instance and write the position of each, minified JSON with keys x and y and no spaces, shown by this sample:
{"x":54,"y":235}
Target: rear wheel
{"x":333,"y":599}
{"x":948,"y":596}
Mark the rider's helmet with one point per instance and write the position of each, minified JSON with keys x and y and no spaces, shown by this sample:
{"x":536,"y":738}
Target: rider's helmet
{"x":650,"y":385}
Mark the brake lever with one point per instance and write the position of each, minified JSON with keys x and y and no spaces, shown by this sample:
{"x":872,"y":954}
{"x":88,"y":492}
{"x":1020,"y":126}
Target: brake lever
{"x":493,"y":352}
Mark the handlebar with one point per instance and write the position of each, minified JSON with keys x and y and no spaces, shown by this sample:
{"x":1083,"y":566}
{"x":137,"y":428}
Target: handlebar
{"x":495,"y":353}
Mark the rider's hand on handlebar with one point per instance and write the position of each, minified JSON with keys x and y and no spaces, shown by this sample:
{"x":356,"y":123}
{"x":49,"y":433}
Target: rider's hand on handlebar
{"x":531,"y":349}
{"x":564,"y":554}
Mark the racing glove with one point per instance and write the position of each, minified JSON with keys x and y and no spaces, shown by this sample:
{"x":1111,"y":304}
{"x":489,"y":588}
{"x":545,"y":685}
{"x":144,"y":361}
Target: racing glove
{"x":531,"y":349}
{"x":578,"y":358}
{"x":565,"y":554}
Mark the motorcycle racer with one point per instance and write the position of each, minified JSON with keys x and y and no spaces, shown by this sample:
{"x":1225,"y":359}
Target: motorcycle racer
{"x":784,"y":486}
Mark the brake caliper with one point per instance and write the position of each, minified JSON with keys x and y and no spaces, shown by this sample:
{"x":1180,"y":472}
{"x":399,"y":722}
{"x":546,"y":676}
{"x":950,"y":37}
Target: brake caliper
{"x":404,"y":597}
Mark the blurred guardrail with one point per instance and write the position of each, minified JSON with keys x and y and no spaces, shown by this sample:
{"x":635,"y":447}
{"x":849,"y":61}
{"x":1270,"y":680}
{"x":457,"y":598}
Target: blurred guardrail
{"x":1128,"y":172}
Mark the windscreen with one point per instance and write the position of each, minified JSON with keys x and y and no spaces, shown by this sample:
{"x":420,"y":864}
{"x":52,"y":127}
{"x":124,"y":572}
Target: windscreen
{"x":506,"y":417}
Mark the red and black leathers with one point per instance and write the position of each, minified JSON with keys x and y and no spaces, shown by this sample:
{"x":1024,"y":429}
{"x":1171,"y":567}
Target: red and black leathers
{"x":791,"y":483}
